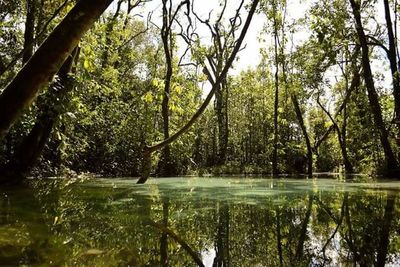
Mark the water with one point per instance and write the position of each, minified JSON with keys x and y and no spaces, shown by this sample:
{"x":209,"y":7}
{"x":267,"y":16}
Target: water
{"x":194,"y":221}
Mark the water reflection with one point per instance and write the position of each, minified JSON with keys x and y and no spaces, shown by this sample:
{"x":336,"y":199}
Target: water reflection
{"x":201,"y":222}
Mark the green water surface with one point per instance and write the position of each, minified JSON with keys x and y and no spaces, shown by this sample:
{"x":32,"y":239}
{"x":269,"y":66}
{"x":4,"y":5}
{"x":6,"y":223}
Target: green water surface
{"x":201,"y":221}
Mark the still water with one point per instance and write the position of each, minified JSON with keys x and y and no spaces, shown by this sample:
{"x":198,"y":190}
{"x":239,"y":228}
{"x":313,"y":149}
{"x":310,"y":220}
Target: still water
{"x":201,"y":222}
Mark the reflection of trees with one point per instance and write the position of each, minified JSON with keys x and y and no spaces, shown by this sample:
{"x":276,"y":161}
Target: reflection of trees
{"x":385,"y":230}
{"x":278,"y":236}
{"x":295,"y":217}
{"x":222,"y":239}
{"x":168,"y":232}
{"x":338,"y":221}
{"x":164,"y":235}
{"x":368,"y":226}
{"x":303,"y":232}
{"x":364,"y":226}
{"x":179,"y":240}
{"x":92,"y":226}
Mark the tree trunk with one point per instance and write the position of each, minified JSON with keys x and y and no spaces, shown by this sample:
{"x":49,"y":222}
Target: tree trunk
{"x":299,"y":116}
{"x":348,"y":167}
{"x":392,"y":55}
{"x":26,"y":54}
{"x":355,"y":82}
{"x":372,"y":94}
{"x":341,"y":135}
{"x":276,"y":102}
{"x":47,"y":60}
{"x":165,"y":162}
{"x":221,"y":109}
{"x":29,"y":30}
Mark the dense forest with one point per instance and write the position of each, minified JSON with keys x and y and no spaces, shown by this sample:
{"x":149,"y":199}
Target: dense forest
{"x":140,"y":88}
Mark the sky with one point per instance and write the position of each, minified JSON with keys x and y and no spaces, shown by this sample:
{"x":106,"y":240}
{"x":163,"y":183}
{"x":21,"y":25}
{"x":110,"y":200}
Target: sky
{"x":250,"y":56}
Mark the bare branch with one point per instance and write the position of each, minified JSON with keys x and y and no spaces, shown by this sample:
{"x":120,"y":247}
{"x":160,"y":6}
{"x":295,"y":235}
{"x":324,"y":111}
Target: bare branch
{"x":378,"y":43}
{"x":218,"y":81}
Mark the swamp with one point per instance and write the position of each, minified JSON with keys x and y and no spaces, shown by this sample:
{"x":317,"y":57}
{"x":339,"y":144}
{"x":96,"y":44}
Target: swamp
{"x":201,"y":221}
{"x":199,"y":133}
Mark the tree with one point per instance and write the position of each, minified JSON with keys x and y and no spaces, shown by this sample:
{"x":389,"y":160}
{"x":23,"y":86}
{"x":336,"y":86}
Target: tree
{"x":372,"y":95}
{"x":53,"y":106}
{"x":277,"y":25}
{"x":29,"y":30}
{"x":22,"y":90}
{"x":349,"y":88}
{"x":392,"y":55}
{"x":146,"y":161}
{"x":299,"y":114}
{"x":168,"y":18}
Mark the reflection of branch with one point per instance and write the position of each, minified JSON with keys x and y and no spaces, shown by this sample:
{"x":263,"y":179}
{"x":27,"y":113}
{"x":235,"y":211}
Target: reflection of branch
{"x":384,"y":238}
{"x":349,"y":239}
{"x":323,"y":206}
{"x":303,"y":233}
{"x":179,"y":240}
{"x":337,"y":221}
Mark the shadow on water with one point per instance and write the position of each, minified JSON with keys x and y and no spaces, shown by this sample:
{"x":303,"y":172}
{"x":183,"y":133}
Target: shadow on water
{"x":201,"y":222}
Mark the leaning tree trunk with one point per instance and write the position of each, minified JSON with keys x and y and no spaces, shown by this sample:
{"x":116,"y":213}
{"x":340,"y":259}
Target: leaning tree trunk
{"x":299,"y":116}
{"x":29,"y":34}
{"x":341,"y":135}
{"x":372,"y":94}
{"x":47,"y":60}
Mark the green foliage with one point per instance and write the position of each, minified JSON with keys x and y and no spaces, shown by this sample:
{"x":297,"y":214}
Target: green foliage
{"x":115,"y":107}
